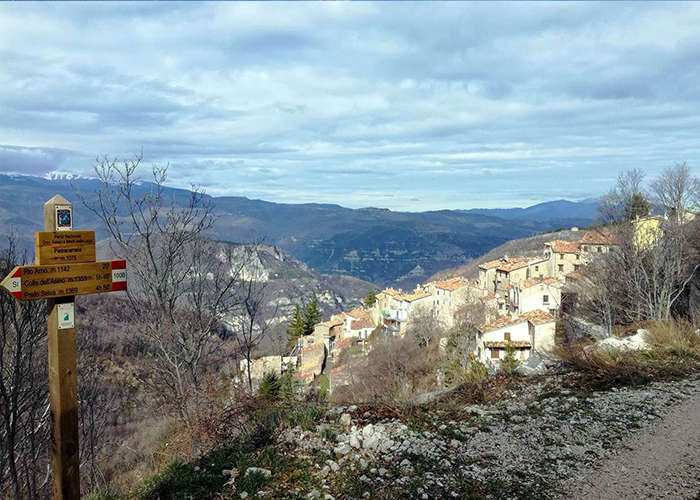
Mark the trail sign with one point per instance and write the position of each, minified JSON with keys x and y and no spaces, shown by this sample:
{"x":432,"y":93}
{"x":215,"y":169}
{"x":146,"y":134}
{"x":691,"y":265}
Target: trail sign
{"x":65,"y":267}
{"x":63,"y":280}
{"x":63,"y":247}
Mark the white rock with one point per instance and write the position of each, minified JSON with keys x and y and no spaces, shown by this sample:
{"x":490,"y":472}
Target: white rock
{"x":354,"y":442}
{"x":370,"y":443}
{"x":343,"y":449}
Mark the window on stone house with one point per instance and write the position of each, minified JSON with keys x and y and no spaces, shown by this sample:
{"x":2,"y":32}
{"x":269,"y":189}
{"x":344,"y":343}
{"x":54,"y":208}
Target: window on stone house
{"x":537,"y":268}
{"x":585,"y":249}
{"x":600,"y":249}
{"x":576,"y":267}
{"x":561,"y":268}
{"x":506,"y":336}
{"x":495,"y":353}
{"x":561,"y":256}
{"x":545,"y":299}
{"x":578,"y":257}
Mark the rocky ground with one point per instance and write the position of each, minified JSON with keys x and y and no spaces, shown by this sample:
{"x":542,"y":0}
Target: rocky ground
{"x":539,"y":442}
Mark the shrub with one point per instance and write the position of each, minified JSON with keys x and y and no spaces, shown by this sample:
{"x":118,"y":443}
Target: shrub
{"x":180,"y":481}
{"x":305,"y":415}
{"x":324,"y":385}
{"x":509,"y":363}
{"x":252,"y":482}
{"x":475,"y":372}
{"x":270,"y":387}
{"x":329,"y":434}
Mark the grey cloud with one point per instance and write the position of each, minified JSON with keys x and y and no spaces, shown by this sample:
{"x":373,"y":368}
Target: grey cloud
{"x":35,"y":161}
{"x":433,"y":103}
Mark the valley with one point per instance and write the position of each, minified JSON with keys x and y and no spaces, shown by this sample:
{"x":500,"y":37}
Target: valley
{"x":387,"y":248}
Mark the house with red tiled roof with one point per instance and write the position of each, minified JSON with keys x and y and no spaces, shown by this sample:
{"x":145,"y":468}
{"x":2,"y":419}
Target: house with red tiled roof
{"x":328,"y":331}
{"x":563,"y":257}
{"x":598,"y":242}
{"x":533,"y":294}
{"x":361,"y":328}
{"x":393,"y":307}
{"x":448,"y":295}
{"x":496,"y":276}
{"x":529,"y":332}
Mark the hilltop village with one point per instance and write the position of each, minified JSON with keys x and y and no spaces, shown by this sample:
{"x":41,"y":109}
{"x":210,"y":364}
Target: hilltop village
{"x":518,"y":300}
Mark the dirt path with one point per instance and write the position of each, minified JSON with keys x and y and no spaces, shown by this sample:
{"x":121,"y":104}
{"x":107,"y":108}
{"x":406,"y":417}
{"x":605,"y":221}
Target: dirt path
{"x":661,"y":461}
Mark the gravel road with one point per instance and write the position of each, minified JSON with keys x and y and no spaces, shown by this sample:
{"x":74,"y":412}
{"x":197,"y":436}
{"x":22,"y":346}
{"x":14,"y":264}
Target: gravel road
{"x":662,"y":461}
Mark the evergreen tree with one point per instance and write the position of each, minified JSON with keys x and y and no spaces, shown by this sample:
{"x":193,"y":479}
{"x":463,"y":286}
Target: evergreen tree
{"x":312,"y":316}
{"x":510,"y":362}
{"x":296,"y":326}
{"x":636,"y":207}
{"x":370,"y":298}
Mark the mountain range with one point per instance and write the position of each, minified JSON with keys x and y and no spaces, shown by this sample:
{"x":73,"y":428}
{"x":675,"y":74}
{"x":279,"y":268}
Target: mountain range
{"x":378,"y":245}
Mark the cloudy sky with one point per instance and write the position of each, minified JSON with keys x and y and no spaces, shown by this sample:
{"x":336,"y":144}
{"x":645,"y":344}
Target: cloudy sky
{"x":411,"y":106}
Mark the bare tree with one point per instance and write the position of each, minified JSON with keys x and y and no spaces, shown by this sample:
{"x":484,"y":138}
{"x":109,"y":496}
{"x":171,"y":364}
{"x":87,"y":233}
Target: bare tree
{"x":425,"y":325}
{"x":677,"y":189}
{"x":182,"y":285}
{"x":616,"y":205}
{"x":469,"y":313}
{"x":253,"y":321}
{"x":23,"y":391}
{"x":638,"y":281}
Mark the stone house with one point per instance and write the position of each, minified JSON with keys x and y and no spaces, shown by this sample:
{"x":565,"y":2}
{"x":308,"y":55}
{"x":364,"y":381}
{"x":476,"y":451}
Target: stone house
{"x":393,"y":308}
{"x":328,"y":331}
{"x":533,"y":294}
{"x":259,"y":367}
{"x":530,"y":332}
{"x":313,"y":361}
{"x":597,"y":242}
{"x":448,"y":295}
{"x":487,"y":275}
{"x":361,"y":328}
{"x":563,"y":257}
{"x":495,"y":276}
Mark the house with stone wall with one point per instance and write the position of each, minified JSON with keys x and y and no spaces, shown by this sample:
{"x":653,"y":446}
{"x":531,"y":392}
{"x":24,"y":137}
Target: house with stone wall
{"x":529,"y":332}
{"x":259,"y":367}
{"x":535,"y":293}
{"x":563,"y":257}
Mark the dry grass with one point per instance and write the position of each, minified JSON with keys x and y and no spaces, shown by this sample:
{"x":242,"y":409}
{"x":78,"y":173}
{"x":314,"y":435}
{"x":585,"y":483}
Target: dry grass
{"x":677,"y":338}
{"x":674,"y":352}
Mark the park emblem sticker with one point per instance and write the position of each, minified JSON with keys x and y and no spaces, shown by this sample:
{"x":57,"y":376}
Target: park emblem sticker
{"x":64,"y":218}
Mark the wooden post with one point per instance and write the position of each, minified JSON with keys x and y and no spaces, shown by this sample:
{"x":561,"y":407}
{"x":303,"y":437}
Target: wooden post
{"x":63,"y":383}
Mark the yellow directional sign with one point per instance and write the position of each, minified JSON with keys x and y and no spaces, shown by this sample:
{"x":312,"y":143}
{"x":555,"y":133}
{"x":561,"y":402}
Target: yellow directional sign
{"x":63,"y":280}
{"x":64,"y":247}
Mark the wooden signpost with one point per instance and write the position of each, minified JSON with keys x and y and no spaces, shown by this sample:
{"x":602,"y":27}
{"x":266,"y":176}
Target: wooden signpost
{"x":65,"y":267}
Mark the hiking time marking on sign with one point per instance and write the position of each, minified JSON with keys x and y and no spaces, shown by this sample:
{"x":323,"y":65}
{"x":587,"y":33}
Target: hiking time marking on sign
{"x":64,"y":280}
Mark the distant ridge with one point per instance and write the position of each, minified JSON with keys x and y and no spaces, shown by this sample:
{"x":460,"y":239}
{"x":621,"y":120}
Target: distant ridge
{"x":378,"y":245}
{"x":549,"y":210}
